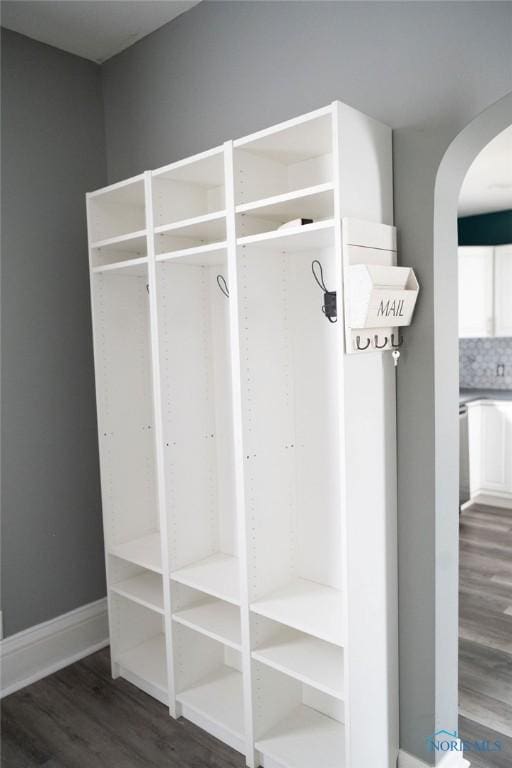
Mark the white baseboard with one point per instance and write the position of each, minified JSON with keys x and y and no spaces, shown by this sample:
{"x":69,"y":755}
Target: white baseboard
{"x":41,"y":650}
{"x":492,"y":500}
{"x":449,"y":760}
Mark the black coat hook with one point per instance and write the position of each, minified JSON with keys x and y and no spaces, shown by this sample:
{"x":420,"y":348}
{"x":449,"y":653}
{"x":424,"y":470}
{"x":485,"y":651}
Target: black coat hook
{"x":358,"y":345}
{"x":221,"y":282}
{"x":376,"y":342}
{"x":329,"y":307}
{"x":400,"y":341}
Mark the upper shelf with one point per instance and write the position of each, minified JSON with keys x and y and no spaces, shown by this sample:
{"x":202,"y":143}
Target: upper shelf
{"x":189,"y":188}
{"x":191,"y":233}
{"x":207,"y":255}
{"x":117,"y":210}
{"x":312,"y":202}
{"x":112,"y":250}
{"x":131,"y":267}
{"x":303,"y":238}
{"x":294,"y":140}
{"x":291,"y":156}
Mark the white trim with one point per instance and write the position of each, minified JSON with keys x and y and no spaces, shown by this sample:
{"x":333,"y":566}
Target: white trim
{"x":45,"y":648}
{"x":450,"y":760}
{"x":491,"y":499}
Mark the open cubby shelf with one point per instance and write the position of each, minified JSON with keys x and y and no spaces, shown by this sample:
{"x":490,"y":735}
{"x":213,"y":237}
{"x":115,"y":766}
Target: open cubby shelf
{"x":312,"y":661}
{"x":144,"y":588}
{"x":217,"y":575}
{"x":305,"y":605}
{"x":214,"y":618}
{"x":144,"y":551}
{"x":268,"y":215}
{"x":147,"y":662}
{"x":219,"y":698}
{"x":305,"y":738}
{"x":249,"y":558}
{"x":304,"y":238}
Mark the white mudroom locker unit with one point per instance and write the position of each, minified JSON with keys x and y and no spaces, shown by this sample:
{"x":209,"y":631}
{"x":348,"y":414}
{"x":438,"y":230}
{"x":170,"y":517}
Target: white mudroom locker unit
{"x":247,"y":446}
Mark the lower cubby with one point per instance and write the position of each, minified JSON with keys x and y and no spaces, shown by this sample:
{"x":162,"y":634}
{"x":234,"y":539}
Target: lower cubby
{"x":135,"y":583}
{"x":214,"y":618}
{"x":209,"y":686}
{"x":138,"y":646}
{"x":314,"y":662}
{"x":296,"y":726}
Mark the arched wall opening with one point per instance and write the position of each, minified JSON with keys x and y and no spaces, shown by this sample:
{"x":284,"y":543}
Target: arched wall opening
{"x":450,"y":175}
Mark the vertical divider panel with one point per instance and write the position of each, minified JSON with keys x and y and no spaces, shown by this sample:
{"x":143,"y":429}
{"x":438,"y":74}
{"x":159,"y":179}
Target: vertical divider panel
{"x":174,"y":708}
{"x":239,"y":453}
{"x":340,"y":291}
{"x":113,"y":635}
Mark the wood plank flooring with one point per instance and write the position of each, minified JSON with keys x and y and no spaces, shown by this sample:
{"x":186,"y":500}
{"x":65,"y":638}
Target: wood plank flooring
{"x":81,"y":718}
{"x":485,"y":626}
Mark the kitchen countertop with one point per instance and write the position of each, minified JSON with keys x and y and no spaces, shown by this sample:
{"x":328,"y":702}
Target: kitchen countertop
{"x":468,"y":395}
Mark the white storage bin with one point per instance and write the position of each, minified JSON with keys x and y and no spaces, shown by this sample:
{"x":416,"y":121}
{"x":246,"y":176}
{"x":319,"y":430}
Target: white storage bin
{"x":381,"y":296}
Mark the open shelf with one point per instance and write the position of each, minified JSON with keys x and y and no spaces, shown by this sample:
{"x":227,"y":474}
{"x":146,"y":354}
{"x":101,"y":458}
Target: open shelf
{"x":315,"y":202}
{"x":144,"y":588}
{"x":306,"y":606}
{"x":117,"y":211}
{"x":218,"y":697}
{"x":305,"y":738}
{"x":191,"y":233}
{"x":312,"y":661}
{"x":131,"y":242}
{"x":292,"y":141}
{"x":147,"y":662}
{"x":144,"y":551}
{"x":135,"y":267}
{"x":290,"y":156}
{"x":189,"y":188}
{"x":305,"y":238}
{"x":215,"y":619}
{"x":115,"y":250}
{"x":202,"y":227}
{"x":209,"y":255}
{"x":217,"y":575}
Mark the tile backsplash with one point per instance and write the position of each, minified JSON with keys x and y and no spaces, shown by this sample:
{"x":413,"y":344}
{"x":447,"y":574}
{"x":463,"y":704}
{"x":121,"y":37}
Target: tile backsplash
{"x":479,"y":360}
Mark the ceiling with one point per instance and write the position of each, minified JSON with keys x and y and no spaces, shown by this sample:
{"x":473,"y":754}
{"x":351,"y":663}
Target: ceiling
{"x":93,"y":29}
{"x":488,"y":183}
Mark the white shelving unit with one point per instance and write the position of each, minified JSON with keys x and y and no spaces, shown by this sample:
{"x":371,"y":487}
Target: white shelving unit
{"x":247,"y":461}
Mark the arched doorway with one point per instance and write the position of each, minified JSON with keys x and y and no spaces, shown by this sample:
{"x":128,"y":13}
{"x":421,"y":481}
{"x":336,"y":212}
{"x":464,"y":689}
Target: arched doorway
{"x":450,"y":176}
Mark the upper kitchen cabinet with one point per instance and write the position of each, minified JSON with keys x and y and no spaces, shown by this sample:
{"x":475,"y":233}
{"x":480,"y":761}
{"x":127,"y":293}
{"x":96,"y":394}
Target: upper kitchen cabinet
{"x":485,"y":287}
{"x":476,"y":291}
{"x":503,"y":290}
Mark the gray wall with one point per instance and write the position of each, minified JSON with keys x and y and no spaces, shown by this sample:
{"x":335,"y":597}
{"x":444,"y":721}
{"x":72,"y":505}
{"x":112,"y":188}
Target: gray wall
{"x":52,"y":153}
{"x":427,"y":69}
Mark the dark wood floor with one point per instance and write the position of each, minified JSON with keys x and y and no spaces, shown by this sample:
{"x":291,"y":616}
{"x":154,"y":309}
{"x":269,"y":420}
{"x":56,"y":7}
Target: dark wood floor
{"x":485,"y":644}
{"x":81,"y":718}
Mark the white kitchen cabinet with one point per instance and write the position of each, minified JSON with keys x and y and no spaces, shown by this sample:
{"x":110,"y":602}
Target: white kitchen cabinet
{"x":490,"y":450}
{"x":476,"y":291}
{"x":247,"y":463}
{"x":485,"y":291}
{"x":503,"y":290}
